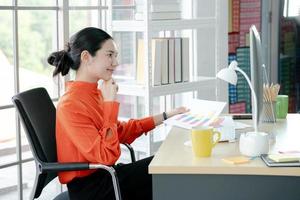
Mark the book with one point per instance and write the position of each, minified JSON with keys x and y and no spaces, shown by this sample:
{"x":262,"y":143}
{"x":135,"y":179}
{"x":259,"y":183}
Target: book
{"x":236,"y":160}
{"x":271,"y":163}
{"x":234,"y":42}
{"x":285,"y":157}
{"x":229,"y":15}
{"x":185,"y":59}
{"x":171,"y":62}
{"x":178,"y":67}
{"x":156,"y":61}
{"x":164,"y":61}
{"x":236,"y":15}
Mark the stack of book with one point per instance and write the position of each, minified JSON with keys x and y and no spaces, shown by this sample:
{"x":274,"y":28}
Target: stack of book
{"x":281,"y":160}
{"x":232,"y":94}
{"x":235,"y":15}
{"x":243,"y":89}
{"x":233,"y":41}
{"x":170,"y":61}
{"x":160,"y":10}
{"x":238,"y":107}
{"x":249,"y":15}
{"x":289,"y":65}
{"x":242,"y":14}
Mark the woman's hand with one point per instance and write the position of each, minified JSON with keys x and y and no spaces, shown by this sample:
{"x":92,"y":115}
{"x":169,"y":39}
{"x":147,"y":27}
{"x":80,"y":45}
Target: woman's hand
{"x":158,"y":119}
{"x":109,"y":90}
{"x":177,"y":111}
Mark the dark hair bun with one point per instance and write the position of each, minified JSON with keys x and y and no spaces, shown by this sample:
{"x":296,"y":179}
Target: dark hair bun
{"x":62,"y":62}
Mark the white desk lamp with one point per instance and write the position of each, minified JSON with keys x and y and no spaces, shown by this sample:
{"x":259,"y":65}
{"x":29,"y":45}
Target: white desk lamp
{"x":251,"y":143}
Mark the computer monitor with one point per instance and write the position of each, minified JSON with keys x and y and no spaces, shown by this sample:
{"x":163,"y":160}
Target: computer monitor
{"x":258,"y":70}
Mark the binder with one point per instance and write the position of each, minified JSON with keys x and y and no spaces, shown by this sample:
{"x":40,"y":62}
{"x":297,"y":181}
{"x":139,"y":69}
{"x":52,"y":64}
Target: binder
{"x":156,"y":60}
{"x":178,"y":67}
{"x":171,"y":60}
{"x":185,"y":59}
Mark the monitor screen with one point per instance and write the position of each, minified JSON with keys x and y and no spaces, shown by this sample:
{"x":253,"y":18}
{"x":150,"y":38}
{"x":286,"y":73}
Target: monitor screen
{"x":258,"y":70}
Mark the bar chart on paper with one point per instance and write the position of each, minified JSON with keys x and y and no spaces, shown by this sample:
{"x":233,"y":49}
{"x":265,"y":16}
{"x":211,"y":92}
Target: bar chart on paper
{"x":190,"y":120}
{"x":203,"y":113}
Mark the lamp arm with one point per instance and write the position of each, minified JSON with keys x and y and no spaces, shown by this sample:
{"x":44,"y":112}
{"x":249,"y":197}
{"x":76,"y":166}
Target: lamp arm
{"x":254,"y":112}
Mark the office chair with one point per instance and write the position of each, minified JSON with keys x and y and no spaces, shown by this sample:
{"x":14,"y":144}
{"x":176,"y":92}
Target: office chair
{"x":38,"y":114}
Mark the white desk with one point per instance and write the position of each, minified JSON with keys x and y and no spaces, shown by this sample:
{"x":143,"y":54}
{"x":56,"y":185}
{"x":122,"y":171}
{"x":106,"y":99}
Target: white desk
{"x":177,"y":174}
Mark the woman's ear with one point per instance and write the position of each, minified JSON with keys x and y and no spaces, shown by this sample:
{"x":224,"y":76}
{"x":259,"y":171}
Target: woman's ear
{"x":85,"y":57}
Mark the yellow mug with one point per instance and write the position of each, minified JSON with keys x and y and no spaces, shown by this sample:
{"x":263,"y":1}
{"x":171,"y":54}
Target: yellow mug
{"x":204,"y":140}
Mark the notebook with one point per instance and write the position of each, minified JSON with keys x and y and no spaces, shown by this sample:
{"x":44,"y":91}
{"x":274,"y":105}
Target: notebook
{"x":272,"y":163}
{"x":285,"y":157}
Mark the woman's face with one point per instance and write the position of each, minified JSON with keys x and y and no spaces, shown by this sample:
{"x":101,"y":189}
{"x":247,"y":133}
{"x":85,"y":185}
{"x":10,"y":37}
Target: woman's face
{"x":103,"y":64}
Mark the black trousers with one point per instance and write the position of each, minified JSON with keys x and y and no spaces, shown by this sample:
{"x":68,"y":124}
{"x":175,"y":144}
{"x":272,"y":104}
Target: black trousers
{"x":134,"y":179}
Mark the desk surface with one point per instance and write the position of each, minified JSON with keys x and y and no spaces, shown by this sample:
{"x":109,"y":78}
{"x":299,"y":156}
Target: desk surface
{"x":173,"y":157}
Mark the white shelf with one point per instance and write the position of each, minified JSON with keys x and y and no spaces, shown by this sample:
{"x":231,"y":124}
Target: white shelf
{"x":128,"y":25}
{"x":133,"y":89}
{"x":175,"y":88}
{"x":174,"y":28}
{"x":159,"y":25}
{"x":182,"y":24}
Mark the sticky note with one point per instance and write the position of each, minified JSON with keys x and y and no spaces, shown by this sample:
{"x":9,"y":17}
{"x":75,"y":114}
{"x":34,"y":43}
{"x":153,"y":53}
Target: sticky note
{"x":236,"y":160}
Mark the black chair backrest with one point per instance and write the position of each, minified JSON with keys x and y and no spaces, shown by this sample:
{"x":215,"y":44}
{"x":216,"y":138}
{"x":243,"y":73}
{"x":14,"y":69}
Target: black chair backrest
{"x":37,"y":113}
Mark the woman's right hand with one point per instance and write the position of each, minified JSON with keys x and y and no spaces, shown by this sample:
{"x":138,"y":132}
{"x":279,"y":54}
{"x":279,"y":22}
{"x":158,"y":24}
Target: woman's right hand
{"x":109,"y":90}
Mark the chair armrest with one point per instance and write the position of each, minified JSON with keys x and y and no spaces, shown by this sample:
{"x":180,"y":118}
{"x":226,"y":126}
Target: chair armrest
{"x":59,"y":167}
{"x":74,"y":166}
{"x":132,"y":155}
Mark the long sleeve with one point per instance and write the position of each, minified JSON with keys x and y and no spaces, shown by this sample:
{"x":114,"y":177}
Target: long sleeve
{"x":129,"y":131}
{"x":83,"y":121}
{"x":92,"y":144}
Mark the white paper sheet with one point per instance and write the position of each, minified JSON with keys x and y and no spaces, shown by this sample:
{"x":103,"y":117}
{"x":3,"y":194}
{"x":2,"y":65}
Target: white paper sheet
{"x":240,"y":125}
{"x":202,"y":113}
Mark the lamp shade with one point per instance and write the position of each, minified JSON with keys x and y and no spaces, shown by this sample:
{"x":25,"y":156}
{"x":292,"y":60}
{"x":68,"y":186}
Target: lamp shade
{"x":228,"y":74}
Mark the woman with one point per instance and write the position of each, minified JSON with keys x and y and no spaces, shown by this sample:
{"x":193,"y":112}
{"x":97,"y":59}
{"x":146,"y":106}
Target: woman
{"x":87,"y":129}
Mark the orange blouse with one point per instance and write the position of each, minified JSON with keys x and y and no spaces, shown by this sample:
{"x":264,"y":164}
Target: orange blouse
{"x":82,"y":121}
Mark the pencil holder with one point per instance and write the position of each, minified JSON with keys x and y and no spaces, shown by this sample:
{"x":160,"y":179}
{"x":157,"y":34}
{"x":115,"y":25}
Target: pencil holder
{"x":268,"y":111}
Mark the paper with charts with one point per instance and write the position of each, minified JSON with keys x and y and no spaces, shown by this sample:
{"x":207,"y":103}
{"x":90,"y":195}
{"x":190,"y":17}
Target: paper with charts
{"x":202,"y":113}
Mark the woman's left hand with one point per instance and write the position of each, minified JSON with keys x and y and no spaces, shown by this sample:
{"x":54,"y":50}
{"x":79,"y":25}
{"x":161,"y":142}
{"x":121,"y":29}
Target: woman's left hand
{"x":177,"y":111}
{"x":181,"y":110}
{"x":158,"y":119}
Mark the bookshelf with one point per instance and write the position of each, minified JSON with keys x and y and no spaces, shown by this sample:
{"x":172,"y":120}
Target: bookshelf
{"x":179,"y":24}
{"x":289,"y":62}
{"x":242,"y":14}
{"x":165,"y":97}
{"x":280,"y":36}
